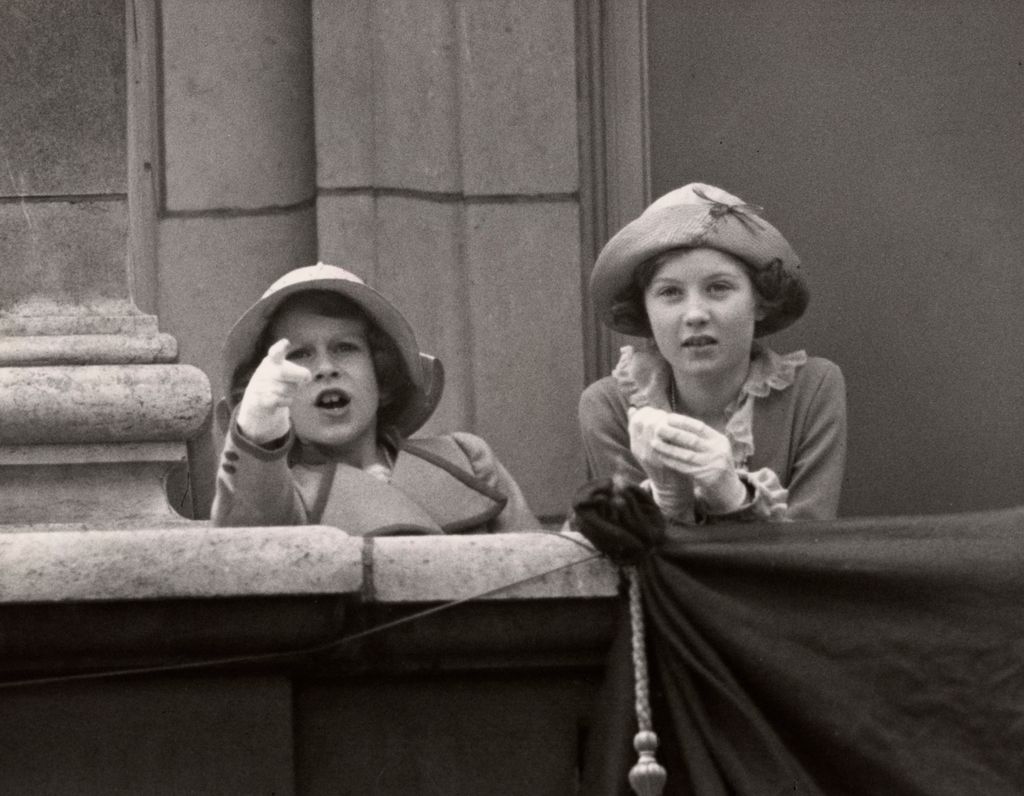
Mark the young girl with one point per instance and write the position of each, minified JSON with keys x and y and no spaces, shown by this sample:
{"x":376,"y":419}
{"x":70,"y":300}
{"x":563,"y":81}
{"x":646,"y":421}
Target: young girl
{"x":327,"y":383}
{"x":712,"y":420}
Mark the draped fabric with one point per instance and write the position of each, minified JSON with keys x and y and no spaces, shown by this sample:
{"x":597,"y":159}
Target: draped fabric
{"x":867,"y":656}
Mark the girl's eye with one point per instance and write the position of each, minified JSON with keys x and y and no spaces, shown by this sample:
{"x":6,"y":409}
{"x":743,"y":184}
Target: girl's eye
{"x":719,"y":288}
{"x":345,"y":347}
{"x":296,"y":354}
{"x":668,"y":291}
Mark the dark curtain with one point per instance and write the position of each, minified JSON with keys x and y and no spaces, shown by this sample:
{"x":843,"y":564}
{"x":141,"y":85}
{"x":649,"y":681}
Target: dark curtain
{"x":874,"y":656}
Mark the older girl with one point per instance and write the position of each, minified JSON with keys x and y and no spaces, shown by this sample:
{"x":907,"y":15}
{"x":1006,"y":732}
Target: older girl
{"x":712,"y":420}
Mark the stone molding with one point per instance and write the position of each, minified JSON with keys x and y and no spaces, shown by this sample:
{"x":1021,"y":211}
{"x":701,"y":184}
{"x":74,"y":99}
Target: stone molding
{"x":112,"y":320}
{"x":102,"y":403}
{"x":88,"y":349}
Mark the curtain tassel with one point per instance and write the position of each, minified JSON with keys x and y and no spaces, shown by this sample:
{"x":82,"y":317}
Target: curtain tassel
{"x":647,"y":777}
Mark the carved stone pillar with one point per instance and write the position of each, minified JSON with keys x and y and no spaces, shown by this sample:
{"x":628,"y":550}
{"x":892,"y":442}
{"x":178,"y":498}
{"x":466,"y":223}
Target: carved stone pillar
{"x":93,"y":410}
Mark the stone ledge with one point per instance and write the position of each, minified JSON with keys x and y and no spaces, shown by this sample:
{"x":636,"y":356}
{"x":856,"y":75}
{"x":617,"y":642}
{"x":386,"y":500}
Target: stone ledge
{"x":198,"y":561}
{"x":49,"y":564}
{"x":86,"y":600}
{"x":417,"y":569}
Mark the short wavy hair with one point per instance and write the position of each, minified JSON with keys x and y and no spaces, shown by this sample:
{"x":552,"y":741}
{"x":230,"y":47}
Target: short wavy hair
{"x":775,"y":287}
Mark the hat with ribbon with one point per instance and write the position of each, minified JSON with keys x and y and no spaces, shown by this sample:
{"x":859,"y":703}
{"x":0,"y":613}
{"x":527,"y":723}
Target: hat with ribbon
{"x":410,"y":409}
{"x":698,"y":215}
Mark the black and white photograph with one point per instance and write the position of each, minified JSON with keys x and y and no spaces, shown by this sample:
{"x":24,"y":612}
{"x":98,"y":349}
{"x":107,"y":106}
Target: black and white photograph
{"x":511,"y":397}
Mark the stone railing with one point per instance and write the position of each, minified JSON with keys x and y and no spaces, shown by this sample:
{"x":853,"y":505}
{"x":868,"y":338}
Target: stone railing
{"x":297,"y":660}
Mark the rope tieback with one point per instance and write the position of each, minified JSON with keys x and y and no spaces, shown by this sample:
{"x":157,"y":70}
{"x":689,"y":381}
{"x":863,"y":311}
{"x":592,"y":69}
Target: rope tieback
{"x":647,"y":777}
{"x":625,"y":524}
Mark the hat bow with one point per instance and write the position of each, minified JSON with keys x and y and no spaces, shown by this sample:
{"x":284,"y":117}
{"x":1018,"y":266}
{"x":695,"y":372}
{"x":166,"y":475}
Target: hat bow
{"x":746,"y":214}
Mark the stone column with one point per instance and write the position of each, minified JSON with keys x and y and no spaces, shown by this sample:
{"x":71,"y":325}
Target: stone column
{"x":93,"y":412}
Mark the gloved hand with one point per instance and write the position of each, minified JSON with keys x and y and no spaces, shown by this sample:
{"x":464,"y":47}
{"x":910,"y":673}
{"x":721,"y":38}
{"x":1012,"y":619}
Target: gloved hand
{"x":694,"y":449}
{"x":672,"y":492}
{"x":263,"y":413}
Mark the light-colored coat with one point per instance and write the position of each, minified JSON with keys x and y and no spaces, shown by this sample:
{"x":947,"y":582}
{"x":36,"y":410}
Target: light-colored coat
{"x":451,"y":483}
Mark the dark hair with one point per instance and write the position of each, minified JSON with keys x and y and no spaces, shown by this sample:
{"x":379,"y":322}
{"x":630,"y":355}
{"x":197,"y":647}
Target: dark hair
{"x":772,"y":283}
{"x":393,"y":380}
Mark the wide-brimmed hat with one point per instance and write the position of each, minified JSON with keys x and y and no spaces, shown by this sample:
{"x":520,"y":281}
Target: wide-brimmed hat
{"x":689,"y":217}
{"x":409,"y":410}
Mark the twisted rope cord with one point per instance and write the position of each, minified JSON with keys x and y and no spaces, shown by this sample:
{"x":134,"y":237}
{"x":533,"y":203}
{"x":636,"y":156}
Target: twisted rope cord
{"x":640,"y":680}
{"x":647,"y":777}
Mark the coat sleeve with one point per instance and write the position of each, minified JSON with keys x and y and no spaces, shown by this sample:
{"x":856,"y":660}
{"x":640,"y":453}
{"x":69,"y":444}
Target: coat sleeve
{"x":255,"y":485}
{"x":516,"y":516}
{"x":604,"y":427}
{"x":816,"y":477}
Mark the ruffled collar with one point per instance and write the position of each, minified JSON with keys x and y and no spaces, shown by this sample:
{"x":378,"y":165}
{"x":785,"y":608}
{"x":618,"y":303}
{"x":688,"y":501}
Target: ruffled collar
{"x":771,"y":371}
{"x":644,"y":378}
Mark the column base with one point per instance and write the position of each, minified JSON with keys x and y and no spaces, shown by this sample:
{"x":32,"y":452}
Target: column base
{"x":92,"y":445}
{"x":82,"y":486}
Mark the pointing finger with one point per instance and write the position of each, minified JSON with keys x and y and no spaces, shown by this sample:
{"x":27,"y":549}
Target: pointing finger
{"x":277,"y":352}
{"x":294,"y":374}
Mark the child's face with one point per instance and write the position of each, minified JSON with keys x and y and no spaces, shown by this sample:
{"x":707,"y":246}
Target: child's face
{"x":337,"y":409}
{"x":703,"y":307}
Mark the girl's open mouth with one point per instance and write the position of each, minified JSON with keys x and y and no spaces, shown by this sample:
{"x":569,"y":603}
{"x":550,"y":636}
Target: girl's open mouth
{"x":332,"y":398}
{"x":698,"y":341}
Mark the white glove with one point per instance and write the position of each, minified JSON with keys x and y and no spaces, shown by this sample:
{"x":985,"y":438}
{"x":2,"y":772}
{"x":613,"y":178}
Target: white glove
{"x":694,"y":449}
{"x":264,"y":412}
{"x":672,"y":494}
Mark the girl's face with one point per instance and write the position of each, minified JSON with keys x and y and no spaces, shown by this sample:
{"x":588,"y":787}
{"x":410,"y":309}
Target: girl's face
{"x":337,"y":409}
{"x":702,"y":307}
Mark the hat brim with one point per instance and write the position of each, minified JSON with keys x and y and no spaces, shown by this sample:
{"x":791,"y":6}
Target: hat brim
{"x":425,"y":372}
{"x":659,"y":230}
